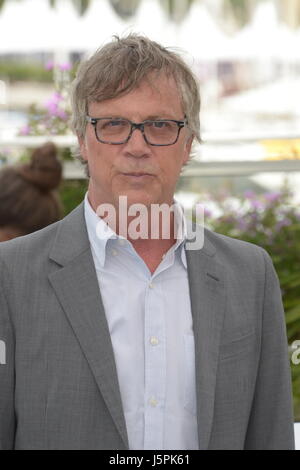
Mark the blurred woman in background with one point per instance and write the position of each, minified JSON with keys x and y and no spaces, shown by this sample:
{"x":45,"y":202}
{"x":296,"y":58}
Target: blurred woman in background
{"x":28,"y":200}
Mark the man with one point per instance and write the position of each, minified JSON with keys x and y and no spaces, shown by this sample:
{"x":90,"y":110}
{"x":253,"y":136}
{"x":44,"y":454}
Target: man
{"x":115,"y":341}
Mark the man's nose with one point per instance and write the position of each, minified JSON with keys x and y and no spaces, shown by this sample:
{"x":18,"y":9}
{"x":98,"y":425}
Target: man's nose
{"x":137,"y":145}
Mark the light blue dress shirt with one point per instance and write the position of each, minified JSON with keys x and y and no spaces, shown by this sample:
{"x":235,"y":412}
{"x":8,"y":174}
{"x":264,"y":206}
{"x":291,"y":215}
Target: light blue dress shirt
{"x":150,"y":322}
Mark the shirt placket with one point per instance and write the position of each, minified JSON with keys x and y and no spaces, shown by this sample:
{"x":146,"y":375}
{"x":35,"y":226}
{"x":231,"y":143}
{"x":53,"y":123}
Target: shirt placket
{"x":155,"y":366}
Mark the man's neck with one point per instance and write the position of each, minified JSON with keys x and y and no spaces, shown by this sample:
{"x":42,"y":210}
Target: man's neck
{"x":157,"y":233}
{"x":147,"y":227}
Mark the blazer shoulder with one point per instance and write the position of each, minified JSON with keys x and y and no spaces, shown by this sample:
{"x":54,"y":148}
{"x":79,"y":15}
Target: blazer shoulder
{"x":234,"y":251}
{"x":35,"y":242}
{"x":37,"y":245}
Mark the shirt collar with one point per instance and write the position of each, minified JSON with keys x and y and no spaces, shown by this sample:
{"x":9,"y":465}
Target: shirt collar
{"x":99,"y":232}
{"x":180,"y":230}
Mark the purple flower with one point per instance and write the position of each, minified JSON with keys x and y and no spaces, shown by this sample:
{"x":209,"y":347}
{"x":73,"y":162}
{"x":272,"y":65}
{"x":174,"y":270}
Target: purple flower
{"x":65,"y":67}
{"x":53,"y":104}
{"x":282,"y":223}
{"x":256,"y":204}
{"x":49,"y":65}
{"x":272,"y":197}
{"x":25,"y":130}
{"x":207,"y":212}
{"x":57,"y":97}
{"x":52,"y":108}
{"x":61,"y":114}
{"x":249,"y":194}
{"x":242,"y":224}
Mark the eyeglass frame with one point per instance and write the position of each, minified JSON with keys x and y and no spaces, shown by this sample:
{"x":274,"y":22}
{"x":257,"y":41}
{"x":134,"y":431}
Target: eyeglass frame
{"x":139,"y":126}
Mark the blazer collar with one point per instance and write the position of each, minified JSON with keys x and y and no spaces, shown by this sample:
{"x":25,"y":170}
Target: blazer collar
{"x":71,"y":238}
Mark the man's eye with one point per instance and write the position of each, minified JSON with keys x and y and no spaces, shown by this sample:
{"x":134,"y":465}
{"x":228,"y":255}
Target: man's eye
{"x":112,"y":124}
{"x":160,"y":124}
{"x":116,"y":123}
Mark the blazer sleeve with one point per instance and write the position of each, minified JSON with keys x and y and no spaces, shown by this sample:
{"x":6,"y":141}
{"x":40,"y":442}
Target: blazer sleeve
{"x":7,"y":370}
{"x":271,"y":424}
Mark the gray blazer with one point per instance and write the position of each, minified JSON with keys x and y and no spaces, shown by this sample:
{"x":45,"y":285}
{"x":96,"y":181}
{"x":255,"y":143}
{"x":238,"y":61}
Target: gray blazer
{"x":59,"y":386}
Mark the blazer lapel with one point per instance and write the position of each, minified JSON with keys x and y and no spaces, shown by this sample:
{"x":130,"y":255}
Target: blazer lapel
{"x":77,"y":289}
{"x":207,"y":294}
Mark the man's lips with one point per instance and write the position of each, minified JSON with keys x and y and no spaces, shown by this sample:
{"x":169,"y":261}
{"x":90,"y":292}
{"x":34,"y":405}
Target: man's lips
{"x":137,"y":174}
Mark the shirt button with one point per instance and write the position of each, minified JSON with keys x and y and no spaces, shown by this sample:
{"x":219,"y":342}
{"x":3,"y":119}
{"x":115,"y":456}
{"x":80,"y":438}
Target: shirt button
{"x":153,"y":402}
{"x":154,"y":341}
{"x":121,"y":241}
{"x":151,"y":285}
{"x":114,"y":252}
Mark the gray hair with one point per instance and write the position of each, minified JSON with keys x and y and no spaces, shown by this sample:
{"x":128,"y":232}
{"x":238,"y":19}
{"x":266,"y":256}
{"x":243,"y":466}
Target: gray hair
{"x":120,"y":66}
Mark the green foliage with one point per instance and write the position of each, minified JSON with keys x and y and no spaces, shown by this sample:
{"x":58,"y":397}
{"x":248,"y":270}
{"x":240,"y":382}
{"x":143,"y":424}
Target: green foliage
{"x":22,"y":71}
{"x":81,"y":5}
{"x":125,"y":8}
{"x":240,"y":10}
{"x":176,"y":9}
{"x":72,"y":193}
{"x":271,"y":221}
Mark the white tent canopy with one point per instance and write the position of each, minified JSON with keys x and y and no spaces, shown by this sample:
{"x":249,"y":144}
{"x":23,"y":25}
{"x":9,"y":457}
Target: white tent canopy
{"x":200,"y":35}
{"x":151,"y":21}
{"x":264,"y":38}
{"x":97,"y":26}
{"x":33,"y":26}
{"x":26,"y":26}
{"x":256,"y":40}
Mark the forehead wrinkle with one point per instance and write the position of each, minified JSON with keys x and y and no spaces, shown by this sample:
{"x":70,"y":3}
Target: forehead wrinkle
{"x":159,"y":88}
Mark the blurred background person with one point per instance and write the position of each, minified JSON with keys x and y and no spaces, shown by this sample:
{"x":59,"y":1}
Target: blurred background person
{"x":28,"y":197}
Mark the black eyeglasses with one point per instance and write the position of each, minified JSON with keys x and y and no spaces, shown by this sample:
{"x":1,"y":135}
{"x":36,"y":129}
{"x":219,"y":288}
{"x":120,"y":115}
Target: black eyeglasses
{"x":116,"y":131}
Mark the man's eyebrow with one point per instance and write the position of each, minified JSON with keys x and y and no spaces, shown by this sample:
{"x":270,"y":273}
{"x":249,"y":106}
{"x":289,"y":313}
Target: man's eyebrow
{"x":148,"y":118}
{"x":160,"y":116}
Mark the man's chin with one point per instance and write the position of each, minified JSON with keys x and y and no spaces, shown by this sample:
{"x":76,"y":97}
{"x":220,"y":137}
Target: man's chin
{"x":137,"y":198}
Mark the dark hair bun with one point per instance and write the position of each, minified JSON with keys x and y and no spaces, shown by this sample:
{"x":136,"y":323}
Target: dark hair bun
{"x":44,"y":170}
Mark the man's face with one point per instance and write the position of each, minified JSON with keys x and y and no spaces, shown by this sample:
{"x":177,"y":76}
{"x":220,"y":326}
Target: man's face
{"x":109,"y":165}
